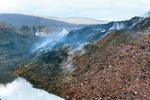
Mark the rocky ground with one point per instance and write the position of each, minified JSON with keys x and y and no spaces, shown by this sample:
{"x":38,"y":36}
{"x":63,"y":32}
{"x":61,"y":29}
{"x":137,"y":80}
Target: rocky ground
{"x":115,"y":68}
{"x":111,"y":72}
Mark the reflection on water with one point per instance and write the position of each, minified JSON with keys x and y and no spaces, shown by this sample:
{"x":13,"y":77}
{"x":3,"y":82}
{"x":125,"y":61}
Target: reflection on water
{"x":6,"y":77}
{"x":20,"y":89}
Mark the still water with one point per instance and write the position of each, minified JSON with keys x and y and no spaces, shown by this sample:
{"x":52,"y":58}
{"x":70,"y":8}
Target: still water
{"x":20,"y":89}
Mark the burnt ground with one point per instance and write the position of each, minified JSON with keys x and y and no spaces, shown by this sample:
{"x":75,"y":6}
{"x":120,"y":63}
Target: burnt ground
{"x":115,"y":68}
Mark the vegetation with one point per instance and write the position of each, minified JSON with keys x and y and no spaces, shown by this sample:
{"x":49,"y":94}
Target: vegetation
{"x":115,"y":67}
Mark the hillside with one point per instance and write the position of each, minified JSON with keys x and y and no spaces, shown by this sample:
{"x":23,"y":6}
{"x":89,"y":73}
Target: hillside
{"x":14,"y":50}
{"x":115,"y":67}
{"x":27,"y":24}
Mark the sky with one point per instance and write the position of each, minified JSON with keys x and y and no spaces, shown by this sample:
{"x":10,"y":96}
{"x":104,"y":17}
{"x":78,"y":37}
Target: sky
{"x":20,"y":89}
{"x":96,"y":9}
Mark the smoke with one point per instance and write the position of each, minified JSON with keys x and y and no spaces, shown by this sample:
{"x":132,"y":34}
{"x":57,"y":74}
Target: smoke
{"x":68,"y":65}
{"x":50,"y":40}
{"x":20,"y":89}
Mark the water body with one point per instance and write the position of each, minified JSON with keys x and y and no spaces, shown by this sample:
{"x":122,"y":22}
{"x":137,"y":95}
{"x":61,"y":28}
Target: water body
{"x":20,"y":89}
{"x":6,"y":77}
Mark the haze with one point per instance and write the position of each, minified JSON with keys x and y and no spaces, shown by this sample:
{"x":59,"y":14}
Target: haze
{"x":96,"y":9}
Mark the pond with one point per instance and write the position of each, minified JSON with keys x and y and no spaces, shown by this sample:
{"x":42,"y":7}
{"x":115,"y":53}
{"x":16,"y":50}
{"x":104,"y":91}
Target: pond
{"x":20,"y":89}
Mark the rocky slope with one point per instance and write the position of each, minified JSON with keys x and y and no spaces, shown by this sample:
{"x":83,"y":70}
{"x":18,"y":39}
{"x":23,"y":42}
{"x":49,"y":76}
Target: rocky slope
{"x":92,"y":33}
{"x":111,"y":69}
{"x":115,"y":67}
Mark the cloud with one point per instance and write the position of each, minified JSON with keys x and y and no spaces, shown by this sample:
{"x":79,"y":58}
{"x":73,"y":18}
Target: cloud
{"x":7,"y":5}
{"x":20,"y":89}
{"x":99,"y":9}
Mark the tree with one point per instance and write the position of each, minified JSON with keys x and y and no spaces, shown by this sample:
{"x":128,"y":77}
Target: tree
{"x":25,"y":29}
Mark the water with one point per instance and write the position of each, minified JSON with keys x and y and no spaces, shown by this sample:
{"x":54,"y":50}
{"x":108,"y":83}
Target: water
{"x":20,"y":89}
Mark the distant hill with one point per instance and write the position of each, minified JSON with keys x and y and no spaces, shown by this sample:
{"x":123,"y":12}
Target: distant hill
{"x":27,"y":24}
{"x":80,"y":20}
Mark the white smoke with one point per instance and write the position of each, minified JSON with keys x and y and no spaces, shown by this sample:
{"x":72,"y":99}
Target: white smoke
{"x":68,"y":65}
{"x":20,"y":89}
{"x":50,"y":40}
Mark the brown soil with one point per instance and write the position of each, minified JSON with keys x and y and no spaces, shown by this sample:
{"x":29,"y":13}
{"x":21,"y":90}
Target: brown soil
{"x":116,"y":69}
{"x":111,"y":73}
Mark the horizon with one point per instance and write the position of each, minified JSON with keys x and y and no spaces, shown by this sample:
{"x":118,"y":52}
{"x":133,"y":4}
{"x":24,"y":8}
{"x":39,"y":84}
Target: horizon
{"x":95,"y":9}
{"x":51,"y":17}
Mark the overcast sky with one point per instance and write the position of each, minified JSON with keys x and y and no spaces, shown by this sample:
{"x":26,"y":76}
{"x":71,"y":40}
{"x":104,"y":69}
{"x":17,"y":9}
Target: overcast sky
{"x":97,"y":9}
